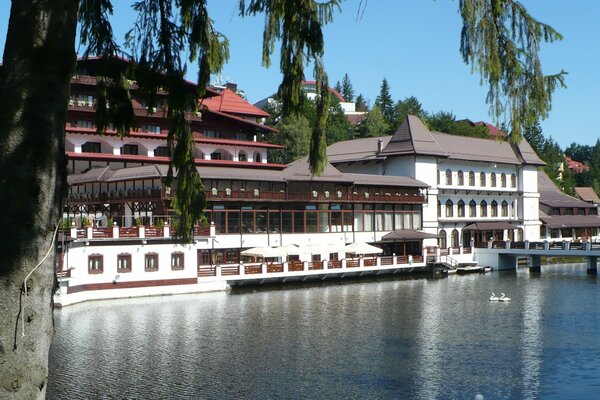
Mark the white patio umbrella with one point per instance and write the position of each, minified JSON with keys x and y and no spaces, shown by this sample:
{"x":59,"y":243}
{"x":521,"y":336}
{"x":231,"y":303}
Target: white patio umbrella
{"x":319,"y":248}
{"x":265,"y":252}
{"x":362,"y":248}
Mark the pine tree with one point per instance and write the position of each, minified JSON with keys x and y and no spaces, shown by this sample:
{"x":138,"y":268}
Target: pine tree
{"x":361,"y":103}
{"x":346,"y":89}
{"x":386,"y":104}
{"x":338,"y":88}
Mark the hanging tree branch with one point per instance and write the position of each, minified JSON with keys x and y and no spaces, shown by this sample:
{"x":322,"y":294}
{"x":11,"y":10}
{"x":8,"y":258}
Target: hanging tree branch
{"x":501,"y":41}
{"x":298,"y":25}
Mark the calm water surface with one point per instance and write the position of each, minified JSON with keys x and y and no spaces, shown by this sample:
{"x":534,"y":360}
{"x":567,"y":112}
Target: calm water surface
{"x":396,"y":339}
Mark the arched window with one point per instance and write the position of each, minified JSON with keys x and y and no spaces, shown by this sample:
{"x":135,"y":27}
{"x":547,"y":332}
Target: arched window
{"x":483,"y":208}
{"x":494,"y":208}
{"x":461,"y":209}
{"x":504,"y":209}
{"x":257,"y":157}
{"x":454,"y":238}
{"x":448,"y":177}
{"x":472,"y":209}
{"x":438,"y":176}
{"x":449,"y":209}
{"x":439,"y":209}
{"x":482,"y":179}
{"x":461,"y":178}
{"x":471,"y":178}
{"x":503,"y":180}
{"x":493,"y":179}
{"x":242,"y":156}
{"x":442,"y":239}
{"x":513,"y":181}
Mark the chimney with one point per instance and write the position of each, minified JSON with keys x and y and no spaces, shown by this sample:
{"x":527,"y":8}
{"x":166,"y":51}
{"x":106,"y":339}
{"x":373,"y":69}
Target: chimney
{"x":379,"y":145}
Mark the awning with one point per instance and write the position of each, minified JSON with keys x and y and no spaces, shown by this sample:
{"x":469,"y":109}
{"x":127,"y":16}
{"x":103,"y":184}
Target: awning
{"x":571,"y":221}
{"x":488,"y":226}
{"x":409,"y":235}
{"x":265,"y":252}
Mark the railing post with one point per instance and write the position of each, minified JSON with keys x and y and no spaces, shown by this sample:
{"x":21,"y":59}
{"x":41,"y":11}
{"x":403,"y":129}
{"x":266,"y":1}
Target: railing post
{"x":461,"y":249}
{"x":325,"y":264}
{"x":587,"y":246}
{"x":142,"y":231}
{"x":263,"y":268}
{"x":361,"y":262}
{"x":507,"y":245}
{"x":218,"y":271}
{"x":286,"y":267}
{"x":166,"y":231}
{"x":527,"y":245}
{"x":490,"y":244}
{"x":115,"y":231}
{"x":212,"y":229}
{"x":546,"y":245}
{"x":410,"y":259}
{"x":304,"y":266}
{"x":378,"y":261}
{"x":565,"y":245}
{"x":394,"y":259}
{"x":343,"y":263}
{"x":73,"y":232}
{"x":89,"y":232}
{"x":242,"y":269}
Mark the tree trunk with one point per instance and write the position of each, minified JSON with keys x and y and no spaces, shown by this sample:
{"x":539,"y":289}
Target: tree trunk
{"x":39,"y":59}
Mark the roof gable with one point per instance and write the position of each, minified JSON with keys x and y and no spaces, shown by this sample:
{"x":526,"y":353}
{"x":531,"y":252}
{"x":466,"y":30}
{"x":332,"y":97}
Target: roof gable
{"x":230,"y":103}
{"x":412,"y":137}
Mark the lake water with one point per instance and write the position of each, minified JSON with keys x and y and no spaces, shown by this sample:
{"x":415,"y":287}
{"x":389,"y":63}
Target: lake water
{"x":392,"y":338}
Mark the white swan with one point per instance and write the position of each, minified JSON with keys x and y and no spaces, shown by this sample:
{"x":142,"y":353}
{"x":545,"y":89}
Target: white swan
{"x":494,"y":297}
{"x":503,"y":297}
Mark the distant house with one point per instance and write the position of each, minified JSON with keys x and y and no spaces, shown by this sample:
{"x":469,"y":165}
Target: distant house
{"x":493,"y":131}
{"x":310,"y":90}
{"x":576,"y":166}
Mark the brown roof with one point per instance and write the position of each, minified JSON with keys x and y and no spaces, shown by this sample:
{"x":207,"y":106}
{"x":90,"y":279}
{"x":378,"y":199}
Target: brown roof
{"x":356,"y":150}
{"x":408,"y":235}
{"x":551,"y":196}
{"x":299,"y":171}
{"x":587,"y":194}
{"x":412,"y":137}
{"x":571,"y":221}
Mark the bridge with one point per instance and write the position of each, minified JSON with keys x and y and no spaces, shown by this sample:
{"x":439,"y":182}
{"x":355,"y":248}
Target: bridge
{"x":503,"y":255}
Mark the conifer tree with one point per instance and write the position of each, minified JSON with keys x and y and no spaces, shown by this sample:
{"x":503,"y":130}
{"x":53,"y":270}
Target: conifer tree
{"x":361,"y":103}
{"x":385,"y":103}
{"x":346,"y":89}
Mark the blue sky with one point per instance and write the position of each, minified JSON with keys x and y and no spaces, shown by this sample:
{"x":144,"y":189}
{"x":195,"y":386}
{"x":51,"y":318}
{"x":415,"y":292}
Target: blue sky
{"x":414,"y":44}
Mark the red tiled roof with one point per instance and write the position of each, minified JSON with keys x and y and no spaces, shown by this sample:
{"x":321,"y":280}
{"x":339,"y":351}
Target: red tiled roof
{"x":576,"y":166}
{"x":332,"y":90}
{"x":230,"y":103}
{"x":492,"y":130}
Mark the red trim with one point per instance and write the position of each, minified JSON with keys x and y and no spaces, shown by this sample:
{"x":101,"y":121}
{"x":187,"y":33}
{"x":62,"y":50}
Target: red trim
{"x":163,"y":136}
{"x":130,"y":285}
{"x":166,"y":160}
{"x":238,"y":143}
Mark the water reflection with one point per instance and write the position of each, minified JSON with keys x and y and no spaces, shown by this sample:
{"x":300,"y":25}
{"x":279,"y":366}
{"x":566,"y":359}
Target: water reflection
{"x":363,"y":339}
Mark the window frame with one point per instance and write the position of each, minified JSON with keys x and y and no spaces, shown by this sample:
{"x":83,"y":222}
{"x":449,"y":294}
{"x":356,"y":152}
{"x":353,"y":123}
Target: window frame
{"x":177,"y":255}
{"x":127,"y":258}
{"x":147,"y":258}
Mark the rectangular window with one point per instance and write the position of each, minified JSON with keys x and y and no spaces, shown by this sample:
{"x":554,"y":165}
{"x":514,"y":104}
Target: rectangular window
{"x":177,"y":261}
{"x":151,"y":262}
{"x":203,"y":257}
{"x":151,"y":129}
{"x":162,"y":151}
{"x":130,"y":149}
{"x":124,"y":263}
{"x":95,"y":264}
{"x":91,"y":147}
